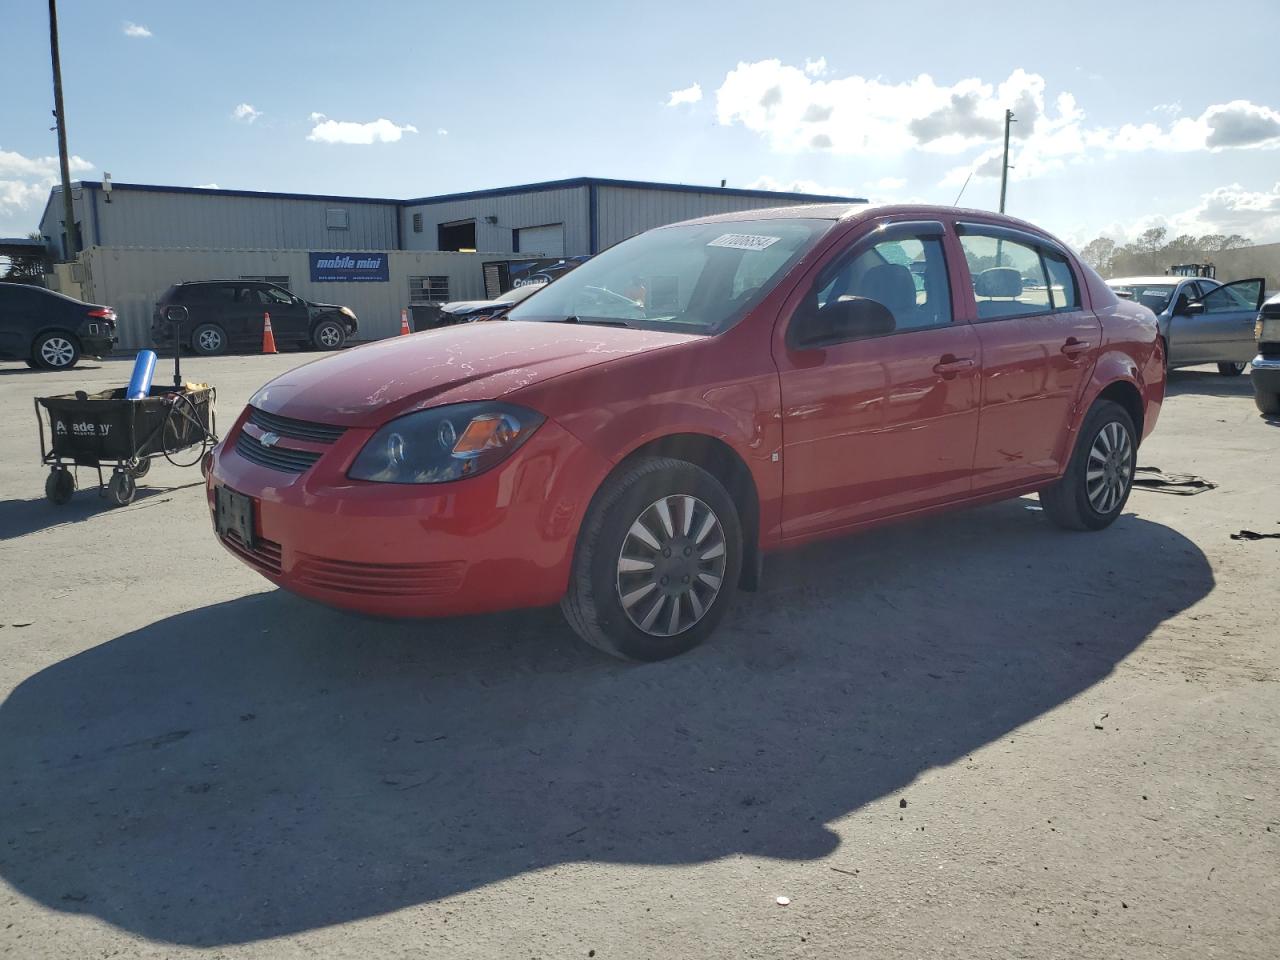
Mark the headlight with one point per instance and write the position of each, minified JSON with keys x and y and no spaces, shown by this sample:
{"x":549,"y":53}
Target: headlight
{"x":347,"y":312}
{"x":444,"y":443}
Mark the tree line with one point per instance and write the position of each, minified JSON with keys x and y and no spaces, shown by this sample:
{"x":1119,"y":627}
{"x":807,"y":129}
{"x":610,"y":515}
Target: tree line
{"x":1153,"y":253}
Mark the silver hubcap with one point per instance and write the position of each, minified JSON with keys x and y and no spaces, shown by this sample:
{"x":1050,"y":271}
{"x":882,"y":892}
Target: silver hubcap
{"x":329,"y":336}
{"x":671,"y":565}
{"x":57,"y":351}
{"x":210,"y":340}
{"x":1110,"y":467}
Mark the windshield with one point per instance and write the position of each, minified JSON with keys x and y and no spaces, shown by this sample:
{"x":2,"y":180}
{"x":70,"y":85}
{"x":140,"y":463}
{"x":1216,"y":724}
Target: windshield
{"x":1153,"y":296}
{"x":697,"y":278}
{"x":516,"y":294}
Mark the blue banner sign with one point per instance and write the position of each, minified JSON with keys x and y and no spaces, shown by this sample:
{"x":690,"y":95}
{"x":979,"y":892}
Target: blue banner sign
{"x":354,"y":266}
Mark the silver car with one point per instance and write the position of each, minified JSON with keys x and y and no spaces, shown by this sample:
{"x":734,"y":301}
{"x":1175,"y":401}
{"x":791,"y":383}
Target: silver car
{"x":1201,"y":320}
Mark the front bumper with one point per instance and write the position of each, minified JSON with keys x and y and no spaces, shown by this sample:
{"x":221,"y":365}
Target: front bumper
{"x":1265,"y":373}
{"x":501,"y":540}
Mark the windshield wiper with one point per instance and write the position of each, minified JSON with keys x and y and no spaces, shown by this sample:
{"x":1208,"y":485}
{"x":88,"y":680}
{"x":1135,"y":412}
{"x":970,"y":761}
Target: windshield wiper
{"x":597,"y":321}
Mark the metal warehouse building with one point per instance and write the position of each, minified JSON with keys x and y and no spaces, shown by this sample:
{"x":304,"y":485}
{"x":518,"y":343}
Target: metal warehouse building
{"x":137,"y":239}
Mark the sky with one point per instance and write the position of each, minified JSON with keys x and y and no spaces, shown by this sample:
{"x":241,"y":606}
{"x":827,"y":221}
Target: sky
{"x":1128,"y":114}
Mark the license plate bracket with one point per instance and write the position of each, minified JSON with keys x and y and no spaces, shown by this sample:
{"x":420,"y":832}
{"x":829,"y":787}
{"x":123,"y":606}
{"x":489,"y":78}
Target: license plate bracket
{"x":235,"y":515}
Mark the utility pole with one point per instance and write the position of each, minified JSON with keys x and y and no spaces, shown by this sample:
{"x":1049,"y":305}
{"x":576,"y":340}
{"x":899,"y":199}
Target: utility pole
{"x":1004,"y":169}
{"x":68,"y":212}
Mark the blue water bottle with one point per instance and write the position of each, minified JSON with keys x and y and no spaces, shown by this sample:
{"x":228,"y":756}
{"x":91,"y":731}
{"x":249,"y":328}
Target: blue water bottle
{"x":144,"y":369}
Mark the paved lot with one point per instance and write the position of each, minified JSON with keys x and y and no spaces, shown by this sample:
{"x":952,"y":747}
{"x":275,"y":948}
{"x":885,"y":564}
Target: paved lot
{"x":901,"y":735}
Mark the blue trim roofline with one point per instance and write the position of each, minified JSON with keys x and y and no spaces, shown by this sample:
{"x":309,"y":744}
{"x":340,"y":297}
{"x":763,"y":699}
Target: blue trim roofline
{"x":634,"y":185}
{"x":219,"y":192}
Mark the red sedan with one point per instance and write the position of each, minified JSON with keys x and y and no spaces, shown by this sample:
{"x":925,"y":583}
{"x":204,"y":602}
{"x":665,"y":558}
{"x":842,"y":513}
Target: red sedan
{"x":636,"y":436}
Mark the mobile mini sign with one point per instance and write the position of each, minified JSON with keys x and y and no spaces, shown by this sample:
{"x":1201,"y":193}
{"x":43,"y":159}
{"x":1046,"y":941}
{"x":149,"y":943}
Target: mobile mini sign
{"x":344,"y":267}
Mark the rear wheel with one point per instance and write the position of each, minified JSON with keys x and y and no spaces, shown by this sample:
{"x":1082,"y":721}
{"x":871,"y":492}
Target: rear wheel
{"x":121,"y":488}
{"x":657,"y":561}
{"x":328,"y":335}
{"x":1099,"y":477}
{"x":209,"y":339}
{"x":141,"y":468}
{"x":1267,"y":401}
{"x":1231,"y":369}
{"x":55,"y":351}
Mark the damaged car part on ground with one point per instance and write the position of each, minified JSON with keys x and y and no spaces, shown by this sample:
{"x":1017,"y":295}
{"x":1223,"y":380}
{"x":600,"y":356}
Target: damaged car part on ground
{"x":635,"y":438}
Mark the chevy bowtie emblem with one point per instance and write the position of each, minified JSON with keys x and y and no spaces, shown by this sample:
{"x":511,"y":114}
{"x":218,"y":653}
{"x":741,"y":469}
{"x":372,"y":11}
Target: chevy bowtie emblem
{"x":269,"y":439}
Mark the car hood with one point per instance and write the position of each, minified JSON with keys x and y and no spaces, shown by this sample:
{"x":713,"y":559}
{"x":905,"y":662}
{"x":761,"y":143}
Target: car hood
{"x":324,"y":306}
{"x":371,"y":384}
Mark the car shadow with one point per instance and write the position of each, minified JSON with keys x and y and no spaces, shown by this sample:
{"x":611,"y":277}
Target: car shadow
{"x":260,"y":767}
{"x":21,"y":517}
{"x":1207,"y":383}
{"x":23,"y":370}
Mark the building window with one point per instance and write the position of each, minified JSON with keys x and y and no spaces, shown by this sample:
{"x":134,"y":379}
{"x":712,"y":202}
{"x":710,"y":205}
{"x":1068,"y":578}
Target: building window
{"x":428,"y":289}
{"x":460,"y":235}
{"x":417,"y":223}
{"x":278,"y":281}
{"x":335,"y":218}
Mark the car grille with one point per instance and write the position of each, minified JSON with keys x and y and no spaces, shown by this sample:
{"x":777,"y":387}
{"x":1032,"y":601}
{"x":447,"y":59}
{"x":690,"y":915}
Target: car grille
{"x":264,"y":555}
{"x":380,"y":579}
{"x":276,"y":458}
{"x":297,"y":429}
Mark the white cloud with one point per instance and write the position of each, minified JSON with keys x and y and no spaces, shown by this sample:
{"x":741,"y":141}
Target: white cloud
{"x":887,"y":184}
{"x":441,"y":132}
{"x":245,"y":112}
{"x":25,"y":181}
{"x":766,"y":182}
{"x":816,"y":68}
{"x":135,"y":30}
{"x":688,"y":95}
{"x":381,"y":130}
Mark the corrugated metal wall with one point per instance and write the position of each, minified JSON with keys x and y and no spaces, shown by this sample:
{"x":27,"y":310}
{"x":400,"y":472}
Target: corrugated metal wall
{"x":140,"y":218}
{"x":132,"y":279}
{"x":623,"y":211}
{"x":517,"y":210}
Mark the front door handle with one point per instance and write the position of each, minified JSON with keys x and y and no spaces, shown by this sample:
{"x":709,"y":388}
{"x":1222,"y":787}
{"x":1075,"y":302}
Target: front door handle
{"x":1073,"y":347}
{"x":950,"y":365}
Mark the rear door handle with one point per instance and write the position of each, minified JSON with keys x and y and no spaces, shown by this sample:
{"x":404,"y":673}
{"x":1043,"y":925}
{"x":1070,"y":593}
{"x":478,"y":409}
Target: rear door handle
{"x":1073,"y":347}
{"x":950,"y":365}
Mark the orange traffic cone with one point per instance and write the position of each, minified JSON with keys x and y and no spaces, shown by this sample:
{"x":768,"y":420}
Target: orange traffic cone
{"x":404,"y":322}
{"x":268,"y":338}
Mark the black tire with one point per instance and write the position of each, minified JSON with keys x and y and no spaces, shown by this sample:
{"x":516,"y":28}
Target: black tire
{"x":141,"y":468}
{"x":1068,"y":503}
{"x":121,"y":488}
{"x":1231,"y":369}
{"x":1267,"y":401}
{"x":209,"y":340}
{"x":329,"y":335}
{"x":55,"y":350}
{"x":593,"y":604}
{"x":59,"y":486}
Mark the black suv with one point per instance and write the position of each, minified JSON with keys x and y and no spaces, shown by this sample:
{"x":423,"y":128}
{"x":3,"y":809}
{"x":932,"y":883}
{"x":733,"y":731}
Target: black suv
{"x":1266,"y":365}
{"x":228,"y":314}
{"x":51,"y":331}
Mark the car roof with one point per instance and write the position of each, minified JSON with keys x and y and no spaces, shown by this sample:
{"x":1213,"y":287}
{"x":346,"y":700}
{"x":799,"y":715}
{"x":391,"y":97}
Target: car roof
{"x":1169,"y":280}
{"x":869,"y":211}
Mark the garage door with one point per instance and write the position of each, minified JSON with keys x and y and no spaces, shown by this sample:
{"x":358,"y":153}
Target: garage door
{"x":547,"y":240}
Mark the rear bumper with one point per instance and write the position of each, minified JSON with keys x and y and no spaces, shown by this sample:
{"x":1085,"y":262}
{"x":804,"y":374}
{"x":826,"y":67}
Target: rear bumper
{"x":497,"y":541}
{"x":97,"y":346}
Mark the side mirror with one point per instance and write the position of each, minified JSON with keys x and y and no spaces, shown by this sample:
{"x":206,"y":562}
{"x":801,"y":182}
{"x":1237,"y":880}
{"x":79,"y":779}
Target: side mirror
{"x":175,"y":313}
{"x":848,"y":318}
{"x":1193,"y":308}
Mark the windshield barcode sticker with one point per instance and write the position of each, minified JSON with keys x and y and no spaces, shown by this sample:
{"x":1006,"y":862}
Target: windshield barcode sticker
{"x":743,"y":241}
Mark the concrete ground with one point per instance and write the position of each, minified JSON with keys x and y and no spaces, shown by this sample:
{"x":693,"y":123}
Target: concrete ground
{"x":973,"y":736}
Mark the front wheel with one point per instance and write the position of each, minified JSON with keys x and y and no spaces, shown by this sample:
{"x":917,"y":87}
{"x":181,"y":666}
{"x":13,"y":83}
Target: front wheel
{"x":59,"y":486}
{"x":657,"y":561}
{"x":55,"y":351}
{"x":328,"y":335}
{"x":121,"y":488}
{"x":1099,"y":476}
{"x":1267,"y":401}
{"x":1231,"y":369}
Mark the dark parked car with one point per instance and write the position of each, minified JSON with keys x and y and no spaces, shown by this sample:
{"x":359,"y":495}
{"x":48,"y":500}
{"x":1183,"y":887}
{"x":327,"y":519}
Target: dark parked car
{"x":50,"y":331}
{"x":1265,"y":371}
{"x":227,"y":314}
